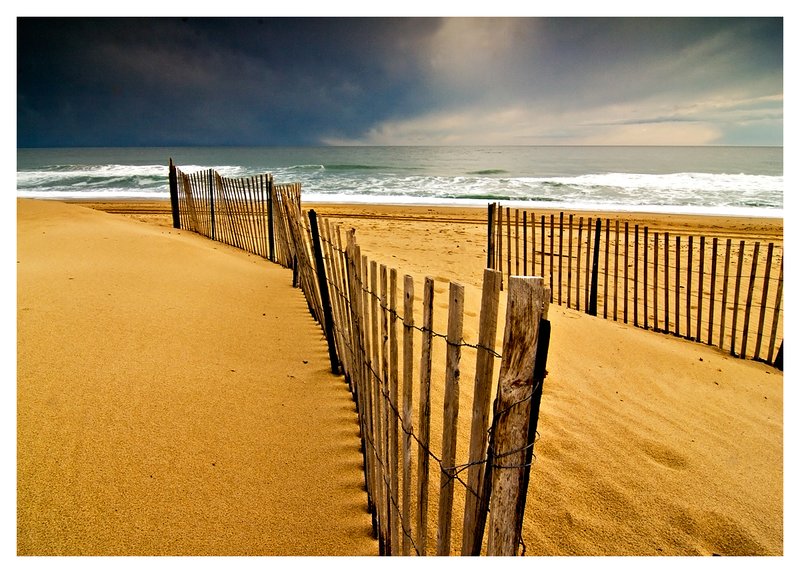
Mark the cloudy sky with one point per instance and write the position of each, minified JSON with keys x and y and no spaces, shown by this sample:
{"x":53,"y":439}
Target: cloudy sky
{"x":398,"y":81}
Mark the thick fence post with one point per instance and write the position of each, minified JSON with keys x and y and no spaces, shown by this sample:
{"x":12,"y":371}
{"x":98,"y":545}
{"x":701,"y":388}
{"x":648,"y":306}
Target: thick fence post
{"x":539,"y":373}
{"x":173,"y":195}
{"x":323,"y":292}
{"x":592,"y":310}
{"x":510,"y":427}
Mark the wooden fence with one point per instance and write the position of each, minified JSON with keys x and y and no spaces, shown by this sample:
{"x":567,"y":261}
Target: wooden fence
{"x":722,"y":292}
{"x":239,"y":212}
{"x":384,"y":339}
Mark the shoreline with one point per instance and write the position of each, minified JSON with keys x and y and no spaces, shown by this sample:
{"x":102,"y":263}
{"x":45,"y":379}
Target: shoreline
{"x":728,"y":226}
{"x":472,"y":204}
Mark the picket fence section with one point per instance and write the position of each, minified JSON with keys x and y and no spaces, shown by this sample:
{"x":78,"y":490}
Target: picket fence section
{"x":718,"y":291}
{"x":390,"y":360}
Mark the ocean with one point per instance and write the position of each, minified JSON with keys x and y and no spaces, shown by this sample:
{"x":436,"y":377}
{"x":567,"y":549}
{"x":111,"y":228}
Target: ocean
{"x":708,"y":180}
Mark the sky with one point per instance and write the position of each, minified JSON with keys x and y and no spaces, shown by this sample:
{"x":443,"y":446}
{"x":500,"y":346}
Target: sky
{"x":399,"y":81}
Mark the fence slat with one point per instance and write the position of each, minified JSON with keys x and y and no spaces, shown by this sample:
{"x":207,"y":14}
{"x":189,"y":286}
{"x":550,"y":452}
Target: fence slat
{"x":424,"y":417}
{"x":408,"y":428}
{"x":560,"y":253}
{"x":605,"y":270}
{"x":569,"y":264}
{"x":508,"y":241}
{"x":655,"y":281}
{"x":500,"y":239}
{"x":378,"y":406}
{"x":516,"y":241}
{"x":393,"y":414}
{"x":490,"y":236}
{"x":369,"y":383}
{"x":552,"y":248}
{"x":776,"y":315}
{"x":358,"y":342}
{"x":678,"y":285}
{"x":484,"y":367}
{"x":592,"y":304}
{"x":724,"y":308}
{"x":712,"y":292}
{"x":764,"y":299}
{"x":736,"y":292}
{"x":533,"y":243}
{"x":578,"y":266}
{"x":636,"y":275}
{"x":700,"y":288}
{"x":524,"y":242}
{"x":666,"y":283}
{"x":626,"y":288}
{"x":541,"y":257}
{"x":616,"y":268}
{"x":455,"y":323}
{"x":749,"y":300}
{"x":689,"y":288}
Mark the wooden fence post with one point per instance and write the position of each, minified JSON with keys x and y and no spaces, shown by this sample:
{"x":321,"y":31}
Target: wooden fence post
{"x":423,"y":460}
{"x":455,"y":323}
{"x":775,"y":315}
{"x":324,"y":293}
{"x":211,"y":203}
{"x":484,"y":368}
{"x":490,"y":237}
{"x":408,"y":375}
{"x":539,"y":373}
{"x":526,"y":298}
{"x":270,"y":217}
{"x":592,"y":310}
{"x":173,"y":195}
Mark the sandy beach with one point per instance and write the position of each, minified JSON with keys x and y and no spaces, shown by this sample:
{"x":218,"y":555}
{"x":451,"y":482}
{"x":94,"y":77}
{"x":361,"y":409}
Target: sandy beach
{"x":165,"y":386}
{"x":164,"y":401}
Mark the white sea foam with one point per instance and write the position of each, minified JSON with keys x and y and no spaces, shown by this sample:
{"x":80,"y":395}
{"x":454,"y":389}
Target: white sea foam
{"x":439,"y":176}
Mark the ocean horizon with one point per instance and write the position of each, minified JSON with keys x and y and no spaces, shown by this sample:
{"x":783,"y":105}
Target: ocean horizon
{"x":719,"y":180}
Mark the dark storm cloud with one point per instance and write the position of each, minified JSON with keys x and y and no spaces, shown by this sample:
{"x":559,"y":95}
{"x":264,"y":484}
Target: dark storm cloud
{"x":398,"y":80}
{"x":145,"y":81}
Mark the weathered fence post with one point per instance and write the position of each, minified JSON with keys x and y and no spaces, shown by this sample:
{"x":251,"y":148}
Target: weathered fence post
{"x":526,"y":298}
{"x":490,"y":237}
{"x":424,"y":422}
{"x":270,"y":217}
{"x":484,"y":367}
{"x":323,"y":292}
{"x":173,"y":195}
{"x":211,"y":203}
{"x":539,"y":373}
{"x":592,"y":310}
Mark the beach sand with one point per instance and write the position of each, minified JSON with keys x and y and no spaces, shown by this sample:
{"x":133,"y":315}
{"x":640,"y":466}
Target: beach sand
{"x":648,"y":444}
{"x":174,"y":397}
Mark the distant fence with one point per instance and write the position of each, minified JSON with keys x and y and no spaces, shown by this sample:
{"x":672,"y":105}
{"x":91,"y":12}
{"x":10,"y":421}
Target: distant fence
{"x":724,"y":293}
{"x":246,"y":212}
{"x":371,"y":334}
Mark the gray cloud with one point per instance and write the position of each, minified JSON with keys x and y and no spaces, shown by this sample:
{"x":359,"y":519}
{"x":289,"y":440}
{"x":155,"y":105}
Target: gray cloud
{"x":153,"y":81}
